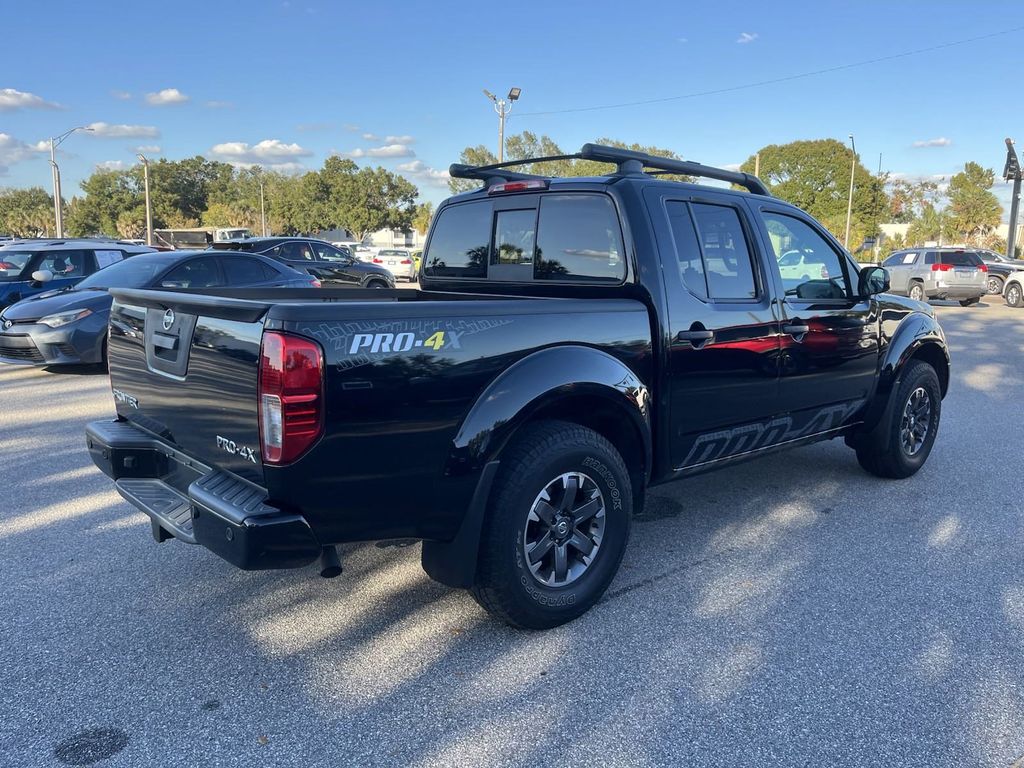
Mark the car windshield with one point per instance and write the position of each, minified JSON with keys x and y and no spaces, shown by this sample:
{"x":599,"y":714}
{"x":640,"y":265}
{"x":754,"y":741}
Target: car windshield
{"x":13,"y":262}
{"x":136,"y":272}
{"x":393,"y":253}
{"x":961,"y":259}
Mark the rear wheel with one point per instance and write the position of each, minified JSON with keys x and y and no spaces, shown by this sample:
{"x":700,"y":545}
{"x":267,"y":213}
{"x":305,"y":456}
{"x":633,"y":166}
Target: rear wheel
{"x":1014,"y":295}
{"x":376,"y":284}
{"x":557,"y":527}
{"x":899,"y":445}
{"x":916,"y":292}
{"x":994,"y":285}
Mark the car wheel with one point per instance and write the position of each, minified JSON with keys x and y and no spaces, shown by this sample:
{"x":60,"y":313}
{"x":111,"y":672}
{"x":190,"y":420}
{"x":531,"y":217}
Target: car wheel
{"x":557,"y":526}
{"x":376,"y":284}
{"x":1014,"y":295}
{"x":899,"y":445}
{"x":969,"y":302}
{"x":994,"y":285}
{"x":917,"y":292}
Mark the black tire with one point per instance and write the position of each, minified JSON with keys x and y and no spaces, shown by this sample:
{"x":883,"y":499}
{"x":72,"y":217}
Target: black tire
{"x":883,"y":452}
{"x":544,"y":453}
{"x":916,"y":292}
{"x":969,"y":302}
{"x":376,"y":284}
{"x":1015,"y":295}
{"x":994,"y":285}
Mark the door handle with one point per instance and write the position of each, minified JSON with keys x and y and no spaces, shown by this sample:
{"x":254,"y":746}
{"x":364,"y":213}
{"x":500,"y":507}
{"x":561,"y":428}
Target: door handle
{"x":796,"y":328}
{"x":697,"y":337}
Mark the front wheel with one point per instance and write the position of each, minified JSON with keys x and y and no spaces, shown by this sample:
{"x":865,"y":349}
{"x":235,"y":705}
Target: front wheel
{"x":557,"y":526}
{"x":1014,"y":295}
{"x":899,"y":445}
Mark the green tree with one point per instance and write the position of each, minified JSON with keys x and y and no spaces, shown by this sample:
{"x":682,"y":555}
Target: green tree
{"x":26,"y":212}
{"x":815,"y":175}
{"x":932,"y":226}
{"x":421,"y":218}
{"x":908,"y":199}
{"x":372,"y":199}
{"x":973,"y":210}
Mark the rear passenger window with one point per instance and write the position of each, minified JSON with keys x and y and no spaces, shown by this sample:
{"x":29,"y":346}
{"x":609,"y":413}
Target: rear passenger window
{"x":691,"y":263}
{"x":459,"y":242}
{"x":578,"y":238}
{"x":727,"y":265}
{"x":239,"y":270}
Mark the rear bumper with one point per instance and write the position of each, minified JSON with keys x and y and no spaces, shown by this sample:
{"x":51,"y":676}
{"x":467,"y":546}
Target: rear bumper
{"x":189,"y":501}
{"x":956,"y":291}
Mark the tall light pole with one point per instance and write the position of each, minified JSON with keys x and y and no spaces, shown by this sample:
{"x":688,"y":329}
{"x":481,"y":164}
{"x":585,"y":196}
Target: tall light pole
{"x":503,"y":107}
{"x":149,"y":210}
{"x":58,"y":208}
{"x":263,"y":210}
{"x":1012,"y":172}
{"x":849,"y":203}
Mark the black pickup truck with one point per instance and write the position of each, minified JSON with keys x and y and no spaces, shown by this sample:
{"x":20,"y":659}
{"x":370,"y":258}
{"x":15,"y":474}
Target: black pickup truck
{"x":574,"y":341}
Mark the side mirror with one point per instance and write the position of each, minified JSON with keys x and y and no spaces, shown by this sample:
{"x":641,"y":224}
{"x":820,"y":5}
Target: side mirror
{"x":872,"y":281}
{"x":42,"y":276}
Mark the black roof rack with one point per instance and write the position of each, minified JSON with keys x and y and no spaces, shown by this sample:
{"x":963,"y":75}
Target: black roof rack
{"x":627,"y":162}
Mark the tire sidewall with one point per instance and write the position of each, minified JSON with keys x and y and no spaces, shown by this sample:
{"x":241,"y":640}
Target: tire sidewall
{"x":919,"y":287}
{"x":1014,"y":292}
{"x":997,"y":281}
{"x":574,"y":598}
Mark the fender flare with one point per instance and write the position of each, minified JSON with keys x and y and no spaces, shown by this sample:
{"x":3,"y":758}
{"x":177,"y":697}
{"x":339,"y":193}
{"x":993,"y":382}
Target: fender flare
{"x":918,"y":335}
{"x":537,"y":381}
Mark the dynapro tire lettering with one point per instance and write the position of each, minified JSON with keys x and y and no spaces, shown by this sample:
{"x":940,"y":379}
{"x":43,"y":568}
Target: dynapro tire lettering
{"x":361,"y":342}
{"x":750,"y":437}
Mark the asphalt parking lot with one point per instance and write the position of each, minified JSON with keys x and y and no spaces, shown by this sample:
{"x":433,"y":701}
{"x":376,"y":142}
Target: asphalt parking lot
{"x":791,"y":611}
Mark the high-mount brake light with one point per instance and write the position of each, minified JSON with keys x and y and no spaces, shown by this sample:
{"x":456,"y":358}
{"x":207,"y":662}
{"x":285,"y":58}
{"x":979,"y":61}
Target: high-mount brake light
{"x":291,"y":396}
{"x":517,"y":186}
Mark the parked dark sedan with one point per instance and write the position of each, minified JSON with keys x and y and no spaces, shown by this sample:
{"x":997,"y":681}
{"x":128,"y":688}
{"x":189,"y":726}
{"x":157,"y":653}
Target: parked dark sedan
{"x":318,"y":257}
{"x":70,"y":325}
{"x":1000,"y":267}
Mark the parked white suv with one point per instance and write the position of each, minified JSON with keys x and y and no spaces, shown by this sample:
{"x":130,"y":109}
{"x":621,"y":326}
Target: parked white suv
{"x":1013,"y":289}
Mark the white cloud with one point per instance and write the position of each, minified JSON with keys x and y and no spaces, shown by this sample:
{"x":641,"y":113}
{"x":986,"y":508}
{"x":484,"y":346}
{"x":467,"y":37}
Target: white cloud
{"x":121,"y":95}
{"x":215,"y":104}
{"x":371,"y":137}
{"x":746,"y":37}
{"x":942,"y":141}
{"x":399,"y":140}
{"x":11,"y":99}
{"x":351,"y":127}
{"x":423,"y":173}
{"x":122,"y":131}
{"x":269,"y":153}
{"x":110,"y":165}
{"x":151,"y":149}
{"x":14,"y":150}
{"x":388,"y":150}
{"x":166,"y":96}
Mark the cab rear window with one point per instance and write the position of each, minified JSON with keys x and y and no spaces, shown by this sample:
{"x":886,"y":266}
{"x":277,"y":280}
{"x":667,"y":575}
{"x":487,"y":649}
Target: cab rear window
{"x":551,"y":237}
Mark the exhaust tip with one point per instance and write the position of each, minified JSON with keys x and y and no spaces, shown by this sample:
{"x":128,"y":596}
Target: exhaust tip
{"x":330,"y":563}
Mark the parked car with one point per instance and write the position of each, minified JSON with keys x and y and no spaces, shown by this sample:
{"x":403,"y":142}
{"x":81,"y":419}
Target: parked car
{"x":999,"y":269}
{"x":1013,"y":290}
{"x":417,"y":258}
{"x":576,"y":341}
{"x":398,"y":263}
{"x":799,"y":266}
{"x":70,"y":325}
{"x":28,"y":267}
{"x":331,"y":265}
{"x":938,"y":273}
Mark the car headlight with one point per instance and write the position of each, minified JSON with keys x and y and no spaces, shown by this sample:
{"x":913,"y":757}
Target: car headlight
{"x":63,"y":318}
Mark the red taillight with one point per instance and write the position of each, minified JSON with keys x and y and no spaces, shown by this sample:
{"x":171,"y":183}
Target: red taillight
{"x":406,"y":261}
{"x":942,"y":267}
{"x":983,"y":267}
{"x":378,"y":260}
{"x":517,"y":186}
{"x":316,"y":283}
{"x":291,"y":384}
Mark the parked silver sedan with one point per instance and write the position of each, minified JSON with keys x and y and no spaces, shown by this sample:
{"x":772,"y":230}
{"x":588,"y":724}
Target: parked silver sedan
{"x":938,"y":273}
{"x":399,"y":263}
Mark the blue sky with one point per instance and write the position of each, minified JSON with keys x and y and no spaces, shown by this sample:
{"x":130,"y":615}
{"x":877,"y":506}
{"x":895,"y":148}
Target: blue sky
{"x":286,"y":83}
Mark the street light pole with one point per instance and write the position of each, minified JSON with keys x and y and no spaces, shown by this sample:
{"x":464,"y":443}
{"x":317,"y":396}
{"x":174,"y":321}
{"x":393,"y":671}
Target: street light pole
{"x":58,"y":208}
{"x":263,"y":210}
{"x":149,"y":210}
{"x":1012,"y":172}
{"x":849,"y":202}
{"x":503,"y":107}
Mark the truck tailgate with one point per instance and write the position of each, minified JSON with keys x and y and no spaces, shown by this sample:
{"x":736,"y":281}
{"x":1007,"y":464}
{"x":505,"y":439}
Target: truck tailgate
{"x":184,"y":368}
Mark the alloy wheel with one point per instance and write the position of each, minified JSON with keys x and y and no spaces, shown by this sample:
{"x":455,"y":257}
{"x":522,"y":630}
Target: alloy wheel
{"x":564,"y":529}
{"x":995,"y":286}
{"x":916,"y":421}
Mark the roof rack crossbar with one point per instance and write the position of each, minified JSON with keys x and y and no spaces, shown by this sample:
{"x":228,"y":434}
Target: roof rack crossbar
{"x":619,"y":156}
{"x":627,"y":161}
